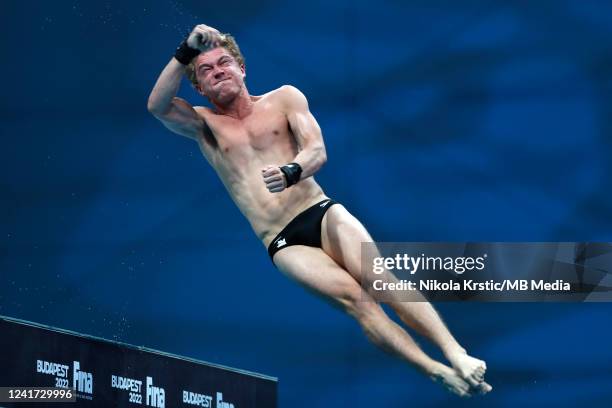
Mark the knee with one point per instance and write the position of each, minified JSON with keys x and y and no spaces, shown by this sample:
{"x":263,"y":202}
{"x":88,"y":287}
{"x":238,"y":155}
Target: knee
{"x":367,"y":312}
{"x":362,"y":307}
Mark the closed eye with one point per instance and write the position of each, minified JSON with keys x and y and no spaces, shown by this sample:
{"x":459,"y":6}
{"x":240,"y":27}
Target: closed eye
{"x":224,"y":60}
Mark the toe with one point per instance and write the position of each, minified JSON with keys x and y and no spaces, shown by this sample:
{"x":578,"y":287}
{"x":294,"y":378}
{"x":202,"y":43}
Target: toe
{"x":478,"y":378}
{"x":465,"y":394}
{"x":484,"y":388}
{"x":472,"y":381}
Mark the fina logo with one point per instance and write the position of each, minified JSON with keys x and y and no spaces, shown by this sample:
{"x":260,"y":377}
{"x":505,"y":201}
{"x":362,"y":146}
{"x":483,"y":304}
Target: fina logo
{"x":221,"y":403}
{"x":81,"y":381}
{"x":156,"y":396}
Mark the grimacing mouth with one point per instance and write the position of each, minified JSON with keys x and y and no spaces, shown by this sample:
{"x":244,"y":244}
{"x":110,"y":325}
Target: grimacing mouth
{"x":224,"y":79}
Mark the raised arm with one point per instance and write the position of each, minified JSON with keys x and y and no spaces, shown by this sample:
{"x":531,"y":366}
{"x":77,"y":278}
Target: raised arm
{"x":176,"y":113}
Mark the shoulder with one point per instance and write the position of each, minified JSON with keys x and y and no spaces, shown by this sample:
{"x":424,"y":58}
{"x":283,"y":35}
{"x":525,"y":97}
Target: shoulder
{"x":290,"y":91}
{"x":291,"y":97}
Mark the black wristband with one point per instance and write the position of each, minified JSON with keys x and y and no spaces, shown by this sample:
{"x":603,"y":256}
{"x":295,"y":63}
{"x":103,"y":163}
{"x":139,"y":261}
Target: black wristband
{"x":292,"y":172}
{"x":184,"y":53}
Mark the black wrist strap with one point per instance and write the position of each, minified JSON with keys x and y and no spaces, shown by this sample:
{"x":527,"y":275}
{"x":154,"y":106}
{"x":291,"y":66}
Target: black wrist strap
{"x":292,"y":172}
{"x":184,"y":53}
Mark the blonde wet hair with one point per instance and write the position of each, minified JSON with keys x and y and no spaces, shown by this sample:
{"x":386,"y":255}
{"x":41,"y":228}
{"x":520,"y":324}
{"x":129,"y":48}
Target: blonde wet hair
{"x":229,"y":43}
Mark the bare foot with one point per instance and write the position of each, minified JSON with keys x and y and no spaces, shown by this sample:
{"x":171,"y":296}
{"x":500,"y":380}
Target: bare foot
{"x":450,"y":380}
{"x":481,"y":388}
{"x":469,"y":368}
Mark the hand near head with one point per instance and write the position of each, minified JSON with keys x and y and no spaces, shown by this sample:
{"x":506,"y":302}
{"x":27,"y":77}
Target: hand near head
{"x":204,"y":38}
{"x":274,"y":178}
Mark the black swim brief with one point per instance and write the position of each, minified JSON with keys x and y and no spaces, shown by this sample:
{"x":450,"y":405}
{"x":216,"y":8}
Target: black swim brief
{"x":304,"y":229}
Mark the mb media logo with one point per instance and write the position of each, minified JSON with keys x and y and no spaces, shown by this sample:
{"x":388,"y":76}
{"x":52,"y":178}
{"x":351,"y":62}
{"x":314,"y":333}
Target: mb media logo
{"x":81,"y":381}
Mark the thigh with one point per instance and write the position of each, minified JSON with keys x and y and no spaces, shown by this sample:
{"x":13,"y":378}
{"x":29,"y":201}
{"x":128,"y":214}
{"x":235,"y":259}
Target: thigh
{"x":313,"y":269}
{"x":341,"y":238}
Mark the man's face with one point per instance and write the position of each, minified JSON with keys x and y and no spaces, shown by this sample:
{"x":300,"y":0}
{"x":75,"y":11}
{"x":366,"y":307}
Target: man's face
{"x":219,"y":75}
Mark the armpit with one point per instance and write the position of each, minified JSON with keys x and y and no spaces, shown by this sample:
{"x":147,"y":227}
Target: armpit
{"x":209,"y":137}
{"x":207,"y":133}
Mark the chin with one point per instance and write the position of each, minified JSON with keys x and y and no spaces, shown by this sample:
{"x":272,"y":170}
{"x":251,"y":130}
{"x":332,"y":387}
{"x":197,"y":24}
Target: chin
{"x":228,"y":95}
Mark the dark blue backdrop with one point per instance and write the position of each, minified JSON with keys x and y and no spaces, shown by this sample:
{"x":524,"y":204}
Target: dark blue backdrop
{"x":443,"y":120}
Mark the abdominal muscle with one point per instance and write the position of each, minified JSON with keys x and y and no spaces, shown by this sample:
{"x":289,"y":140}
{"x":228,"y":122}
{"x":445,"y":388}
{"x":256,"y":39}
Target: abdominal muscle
{"x":268,"y":213}
{"x":244,"y":148}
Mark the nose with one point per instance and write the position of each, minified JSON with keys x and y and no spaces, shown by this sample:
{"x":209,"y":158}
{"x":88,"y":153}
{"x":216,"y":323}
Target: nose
{"x":218,"y":73}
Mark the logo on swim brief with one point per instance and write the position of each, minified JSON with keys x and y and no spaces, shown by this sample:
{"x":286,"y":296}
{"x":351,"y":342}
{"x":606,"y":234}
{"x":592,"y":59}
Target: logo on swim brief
{"x":324,"y":204}
{"x":281,"y":242}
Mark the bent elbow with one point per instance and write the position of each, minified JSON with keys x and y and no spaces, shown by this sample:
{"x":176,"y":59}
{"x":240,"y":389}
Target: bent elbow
{"x":153,"y":108}
{"x":157,"y":107}
{"x":322,"y":157}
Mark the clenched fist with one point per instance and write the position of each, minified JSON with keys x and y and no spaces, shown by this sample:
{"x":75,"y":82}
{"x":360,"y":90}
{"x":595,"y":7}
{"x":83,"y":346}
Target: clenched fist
{"x":203,"y":38}
{"x":274,"y":179}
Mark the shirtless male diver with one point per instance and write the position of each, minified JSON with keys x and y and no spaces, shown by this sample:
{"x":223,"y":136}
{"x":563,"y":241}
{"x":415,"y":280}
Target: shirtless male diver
{"x":265,"y":149}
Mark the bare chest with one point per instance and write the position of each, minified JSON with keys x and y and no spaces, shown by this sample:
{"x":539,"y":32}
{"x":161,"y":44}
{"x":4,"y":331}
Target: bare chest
{"x":260,"y":131}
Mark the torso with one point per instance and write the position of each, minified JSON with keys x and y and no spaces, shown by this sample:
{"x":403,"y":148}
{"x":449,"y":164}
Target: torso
{"x":241,"y":148}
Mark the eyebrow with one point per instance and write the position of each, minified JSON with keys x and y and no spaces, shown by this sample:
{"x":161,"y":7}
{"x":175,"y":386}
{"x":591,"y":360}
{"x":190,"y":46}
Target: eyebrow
{"x":218,"y":60}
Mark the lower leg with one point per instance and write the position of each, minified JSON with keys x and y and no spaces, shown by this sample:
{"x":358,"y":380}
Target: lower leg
{"x":389,"y":336}
{"x":423,"y":318}
{"x":342,"y":235}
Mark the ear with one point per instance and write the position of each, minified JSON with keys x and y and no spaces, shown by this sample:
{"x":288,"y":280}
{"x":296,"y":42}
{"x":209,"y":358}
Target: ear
{"x":243,"y":70}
